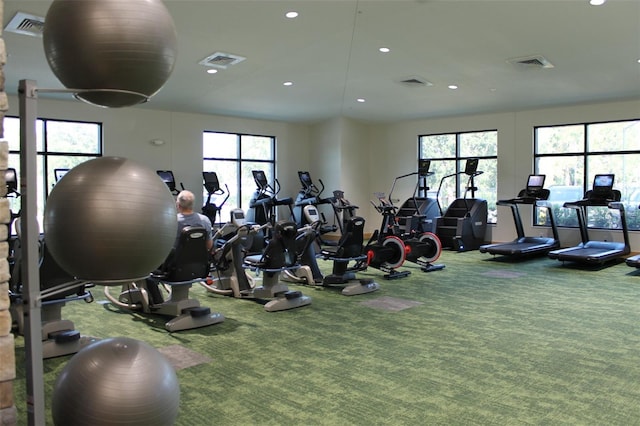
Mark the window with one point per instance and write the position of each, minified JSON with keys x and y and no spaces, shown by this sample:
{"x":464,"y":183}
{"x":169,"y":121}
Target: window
{"x":233,"y":156}
{"x":571,"y":155}
{"x":60,"y":145}
{"x":448,"y":154}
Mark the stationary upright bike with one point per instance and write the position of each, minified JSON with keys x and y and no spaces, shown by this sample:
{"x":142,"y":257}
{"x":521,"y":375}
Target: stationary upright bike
{"x":385,"y":251}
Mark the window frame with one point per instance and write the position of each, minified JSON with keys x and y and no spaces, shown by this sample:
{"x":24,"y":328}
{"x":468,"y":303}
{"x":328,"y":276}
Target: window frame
{"x":45,"y":155}
{"x":459,"y":161}
{"x":586,"y":154}
{"x":239,"y":160}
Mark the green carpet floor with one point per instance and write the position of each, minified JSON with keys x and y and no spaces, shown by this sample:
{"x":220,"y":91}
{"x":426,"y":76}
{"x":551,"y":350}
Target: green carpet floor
{"x":482,"y":342}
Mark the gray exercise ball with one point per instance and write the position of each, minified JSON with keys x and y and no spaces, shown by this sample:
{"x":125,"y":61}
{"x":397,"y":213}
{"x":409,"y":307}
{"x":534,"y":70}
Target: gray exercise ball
{"x":110,"y":219}
{"x":116,"y":381}
{"x":110,"y":44}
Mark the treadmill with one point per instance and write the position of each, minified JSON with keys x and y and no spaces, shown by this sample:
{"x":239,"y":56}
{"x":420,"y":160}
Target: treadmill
{"x":535,"y":195}
{"x":596,"y":252}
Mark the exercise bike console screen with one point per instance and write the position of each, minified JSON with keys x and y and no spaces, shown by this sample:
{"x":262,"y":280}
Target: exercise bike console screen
{"x":237,"y":217}
{"x":535,"y":185}
{"x":167,"y":178}
{"x":602,"y":185}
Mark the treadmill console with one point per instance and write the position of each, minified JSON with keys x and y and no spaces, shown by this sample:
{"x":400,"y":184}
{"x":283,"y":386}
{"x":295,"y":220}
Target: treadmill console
{"x":535,"y":184}
{"x":602,"y":186}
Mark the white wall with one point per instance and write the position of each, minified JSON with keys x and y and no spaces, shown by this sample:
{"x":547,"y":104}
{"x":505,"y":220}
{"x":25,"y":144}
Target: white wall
{"x":394,"y":152}
{"x":128,"y":132}
{"x":356,"y":157}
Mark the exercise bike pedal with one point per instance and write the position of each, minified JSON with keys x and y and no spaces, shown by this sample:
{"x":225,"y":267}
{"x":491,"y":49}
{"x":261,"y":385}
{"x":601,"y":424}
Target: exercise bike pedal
{"x":292,"y":294}
{"x":65,"y":336}
{"x":394,"y":275}
{"x":198,"y":311}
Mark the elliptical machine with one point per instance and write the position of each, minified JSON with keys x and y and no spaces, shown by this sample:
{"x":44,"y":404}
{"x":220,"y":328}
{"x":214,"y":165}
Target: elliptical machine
{"x":265,"y":201}
{"x":263,"y":208}
{"x":343,"y":210}
{"x":212,"y":186}
{"x":309,"y":195}
{"x":463,"y":226}
{"x":169,"y":179}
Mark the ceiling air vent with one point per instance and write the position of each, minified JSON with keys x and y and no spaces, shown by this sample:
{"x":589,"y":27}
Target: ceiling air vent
{"x":221,"y":60}
{"x":537,"y":61}
{"x":23,"y":23}
{"x":415,"y":81}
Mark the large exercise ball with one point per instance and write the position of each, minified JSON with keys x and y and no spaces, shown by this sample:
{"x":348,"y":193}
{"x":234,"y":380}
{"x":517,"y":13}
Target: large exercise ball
{"x":110,"y":219}
{"x":110,"y":44}
{"x":116,"y":381}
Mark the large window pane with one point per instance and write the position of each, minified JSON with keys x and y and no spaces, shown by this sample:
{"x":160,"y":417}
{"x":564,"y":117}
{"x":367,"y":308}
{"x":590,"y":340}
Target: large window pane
{"x":219,"y":145}
{"x":553,"y":140}
{"x":227,"y":172}
{"x":65,"y":136}
{"x":621,"y":136}
{"x":11,"y":127}
{"x":233,"y":157}
{"x":448,"y":154}
{"x":479,"y":144}
{"x":438,"y":146}
{"x":64,"y":140}
{"x":565,"y":182}
{"x":256,"y":147}
{"x":486,"y":185}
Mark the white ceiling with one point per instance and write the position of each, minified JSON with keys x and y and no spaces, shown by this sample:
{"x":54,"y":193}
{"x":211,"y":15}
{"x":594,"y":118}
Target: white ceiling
{"x":330,"y":53}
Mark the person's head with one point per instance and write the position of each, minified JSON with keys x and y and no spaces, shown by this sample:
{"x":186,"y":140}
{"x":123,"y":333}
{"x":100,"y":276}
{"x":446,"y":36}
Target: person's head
{"x":185,"y":201}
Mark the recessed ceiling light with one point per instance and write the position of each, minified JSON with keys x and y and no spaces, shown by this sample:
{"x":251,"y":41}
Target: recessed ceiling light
{"x":288,"y":83}
{"x":597,"y":2}
{"x":212,"y":71}
{"x":291,"y":14}
{"x":384,"y":50}
{"x":361,"y":100}
{"x":452,"y":86}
